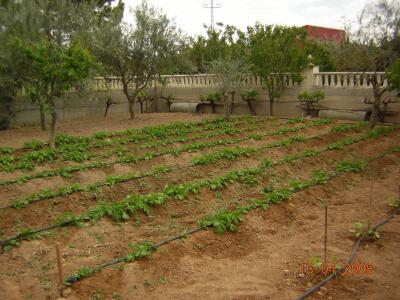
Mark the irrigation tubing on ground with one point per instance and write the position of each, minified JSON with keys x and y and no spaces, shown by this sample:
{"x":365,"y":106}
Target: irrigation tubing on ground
{"x":73,"y":279}
{"x":139,"y":176}
{"x":20,"y":236}
{"x":3,"y":242}
{"x":108,"y":164}
{"x":236,"y":141}
{"x":153,"y":247}
{"x":202,"y":122}
{"x":143,"y":176}
{"x":350,"y":260}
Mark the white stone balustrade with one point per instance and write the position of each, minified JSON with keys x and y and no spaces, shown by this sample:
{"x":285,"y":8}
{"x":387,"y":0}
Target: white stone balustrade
{"x":320,"y":79}
{"x":347,"y":79}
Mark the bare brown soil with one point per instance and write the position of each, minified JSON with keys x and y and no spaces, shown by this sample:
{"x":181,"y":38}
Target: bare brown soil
{"x":17,"y":136}
{"x":262,"y":260}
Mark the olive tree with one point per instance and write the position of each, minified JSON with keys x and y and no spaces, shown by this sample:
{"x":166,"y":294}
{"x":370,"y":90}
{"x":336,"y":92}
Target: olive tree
{"x":373,"y":46}
{"x":277,"y":54}
{"x":229,"y":76}
{"x":137,"y":53}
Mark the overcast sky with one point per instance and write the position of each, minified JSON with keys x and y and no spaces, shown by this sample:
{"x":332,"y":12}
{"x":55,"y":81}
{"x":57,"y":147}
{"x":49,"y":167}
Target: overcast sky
{"x":190,"y":15}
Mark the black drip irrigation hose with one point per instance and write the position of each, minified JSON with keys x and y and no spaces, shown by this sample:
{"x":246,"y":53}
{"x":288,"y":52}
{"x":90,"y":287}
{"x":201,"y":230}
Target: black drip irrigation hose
{"x":74,"y":278}
{"x":350,"y":260}
{"x":21,"y":236}
{"x":202,"y":122}
{"x":236,"y":141}
{"x":142,"y":158}
{"x":82,"y":189}
{"x":153,"y":247}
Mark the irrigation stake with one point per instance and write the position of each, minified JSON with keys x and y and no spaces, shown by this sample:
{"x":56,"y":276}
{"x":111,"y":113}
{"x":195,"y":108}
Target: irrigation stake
{"x":60,"y":269}
{"x":326,"y":233}
{"x":370,"y":204}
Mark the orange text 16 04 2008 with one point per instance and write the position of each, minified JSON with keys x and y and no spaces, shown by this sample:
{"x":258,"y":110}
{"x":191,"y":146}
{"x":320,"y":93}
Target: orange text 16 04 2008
{"x":328,"y":268}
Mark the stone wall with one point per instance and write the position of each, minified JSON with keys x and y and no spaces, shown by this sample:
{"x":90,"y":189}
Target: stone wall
{"x":343,"y":91}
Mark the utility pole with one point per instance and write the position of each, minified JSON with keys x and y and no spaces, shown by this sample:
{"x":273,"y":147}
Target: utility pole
{"x":211,"y":6}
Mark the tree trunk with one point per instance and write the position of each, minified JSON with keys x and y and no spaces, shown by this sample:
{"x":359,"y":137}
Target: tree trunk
{"x":131,"y":103}
{"x":108,"y":105}
{"x":375,"y":107}
{"x":131,"y":100}
{"x":308,"y":108}
{"x":232,"y":103}
{"x":169,"y":105}
{"x":53,"y":127}
{"x":250,"y":104}
{"x":42,"y":117}
{"x":141,"y":107}
{"x":374,"y":118}
{"x":271,"y":107}
{"x":226,"y":106}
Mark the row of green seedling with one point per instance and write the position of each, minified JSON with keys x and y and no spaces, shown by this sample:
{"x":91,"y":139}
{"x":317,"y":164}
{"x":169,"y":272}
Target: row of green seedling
{"x":80,"y":151}
{"x":229,"y":220}
{"x":112,"y":180}
{"x":120,"y":210}
{"x":66,"y":171}
{"x":227,"y":153}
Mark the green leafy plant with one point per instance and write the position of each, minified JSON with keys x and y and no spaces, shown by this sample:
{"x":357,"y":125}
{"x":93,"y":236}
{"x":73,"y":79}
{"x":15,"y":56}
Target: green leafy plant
{"x":222,"y":221}
{"x":350,"y":166}
{"x":363,"y":230}
{"x":315,"y":261}
{"x":138,"y":250}
{"x":394,"y":202}
{"x":34,"y":144}
{"x":348,"y":127}
{"x":80,"y":274}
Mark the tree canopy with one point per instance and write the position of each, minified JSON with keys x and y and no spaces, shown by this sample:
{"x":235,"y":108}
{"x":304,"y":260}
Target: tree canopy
{"x":137,"y":53}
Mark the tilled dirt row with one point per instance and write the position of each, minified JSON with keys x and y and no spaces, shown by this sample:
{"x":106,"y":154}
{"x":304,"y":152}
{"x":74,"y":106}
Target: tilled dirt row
{"x":263,"y":260}
{"x":135,"y":148}
{"x":105,"y":240}
{"x":138,"y":148}
{"x":15,"y":191}
{"x":12,"y":220}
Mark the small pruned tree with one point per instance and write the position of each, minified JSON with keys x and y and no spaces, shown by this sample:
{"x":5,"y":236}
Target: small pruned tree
{"x":229,"y":77}
{"x":310,"y":99}
{"x":250,"y":96}
{"x":137,"y":53}
{"x":278,"y":55}
{"x":143,"y":98}
{"x":168,"y":98}
{"x":52,"y":70}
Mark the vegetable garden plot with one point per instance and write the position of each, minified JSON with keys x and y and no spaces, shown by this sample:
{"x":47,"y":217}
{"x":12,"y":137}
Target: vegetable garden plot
{"x":213,"y":187}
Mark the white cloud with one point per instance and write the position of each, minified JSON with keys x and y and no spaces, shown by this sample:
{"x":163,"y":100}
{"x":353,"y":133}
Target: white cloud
{"x":190,"y":15}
